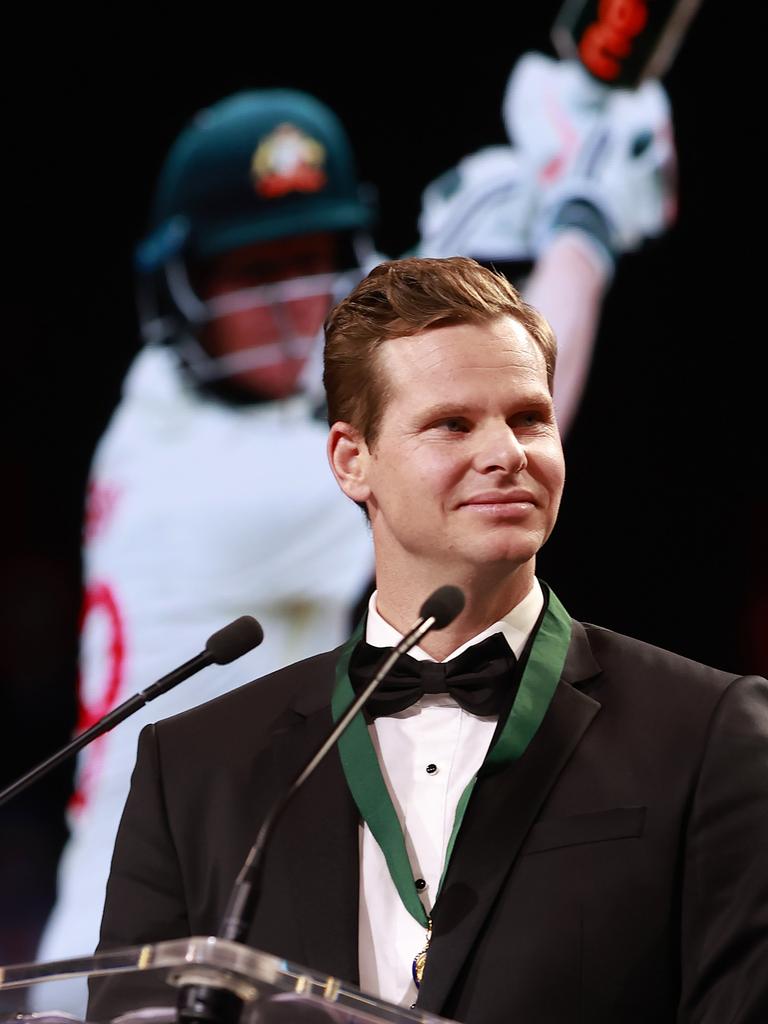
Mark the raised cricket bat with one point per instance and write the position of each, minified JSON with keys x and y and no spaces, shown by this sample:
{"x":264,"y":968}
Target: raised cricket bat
{"x":622,"y":42}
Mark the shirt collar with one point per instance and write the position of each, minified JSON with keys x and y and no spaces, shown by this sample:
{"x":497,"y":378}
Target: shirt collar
{"x":516,"y":627}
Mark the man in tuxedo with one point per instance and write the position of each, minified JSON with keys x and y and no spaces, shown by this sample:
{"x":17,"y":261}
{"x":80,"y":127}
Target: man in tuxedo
{"x":566,"y":824}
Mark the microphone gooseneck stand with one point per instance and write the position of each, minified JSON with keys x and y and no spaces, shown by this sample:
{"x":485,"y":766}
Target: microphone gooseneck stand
{"x":224,"y":646}
{"x":211,"y":1004}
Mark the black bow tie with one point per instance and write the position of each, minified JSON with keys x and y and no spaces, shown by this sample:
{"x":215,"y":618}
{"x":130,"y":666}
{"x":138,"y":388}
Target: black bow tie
{"x":479,"y":679}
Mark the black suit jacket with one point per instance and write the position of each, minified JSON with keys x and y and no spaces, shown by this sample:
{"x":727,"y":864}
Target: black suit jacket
{"x":617,"y":873}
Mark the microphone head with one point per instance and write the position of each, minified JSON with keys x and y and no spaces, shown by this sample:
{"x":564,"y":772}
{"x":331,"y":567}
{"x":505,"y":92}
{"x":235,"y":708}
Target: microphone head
{"x":443,"y":605}
{"x":234,"y":640}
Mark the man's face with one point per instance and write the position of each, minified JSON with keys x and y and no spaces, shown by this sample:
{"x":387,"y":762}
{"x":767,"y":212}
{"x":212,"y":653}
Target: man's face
{"x":268,"y":333}
{"x":467,"y":470}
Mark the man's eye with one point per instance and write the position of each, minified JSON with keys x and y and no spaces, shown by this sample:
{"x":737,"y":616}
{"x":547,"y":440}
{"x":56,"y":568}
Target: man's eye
{"x":529,"y":419}
{"x":455,"y":426}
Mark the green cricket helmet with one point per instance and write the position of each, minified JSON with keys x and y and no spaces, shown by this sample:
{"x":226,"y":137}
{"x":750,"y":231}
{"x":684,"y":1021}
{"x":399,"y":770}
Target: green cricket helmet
{"x":255,"y":167}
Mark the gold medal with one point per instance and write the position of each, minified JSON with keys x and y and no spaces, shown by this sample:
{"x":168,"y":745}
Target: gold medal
{"x":420,"y":960}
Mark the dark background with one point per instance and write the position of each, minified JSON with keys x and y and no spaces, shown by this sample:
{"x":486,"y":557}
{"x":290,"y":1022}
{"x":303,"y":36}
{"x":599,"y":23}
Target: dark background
{"x":662,"y":530}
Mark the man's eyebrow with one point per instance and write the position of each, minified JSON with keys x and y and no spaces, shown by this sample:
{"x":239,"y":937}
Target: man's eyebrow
{"x":517,"y":401}
{"x":441,"y":409}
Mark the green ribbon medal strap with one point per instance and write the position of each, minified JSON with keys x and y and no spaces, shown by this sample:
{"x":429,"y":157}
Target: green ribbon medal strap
{"x":541,"y":675}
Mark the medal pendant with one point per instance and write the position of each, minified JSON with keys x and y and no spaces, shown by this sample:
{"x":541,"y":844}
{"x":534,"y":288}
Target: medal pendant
{"x":420,"y":960}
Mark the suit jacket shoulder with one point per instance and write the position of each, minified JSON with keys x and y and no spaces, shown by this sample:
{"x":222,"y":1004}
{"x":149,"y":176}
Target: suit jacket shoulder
{"x":632,"y":669}
{"x":254,"y":713}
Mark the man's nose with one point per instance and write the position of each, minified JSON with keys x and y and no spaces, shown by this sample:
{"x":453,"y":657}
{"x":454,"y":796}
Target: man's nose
{"x":499,"y":449}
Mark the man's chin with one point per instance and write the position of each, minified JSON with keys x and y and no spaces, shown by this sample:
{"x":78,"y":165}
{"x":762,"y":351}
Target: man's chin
{"x":499,"y":560}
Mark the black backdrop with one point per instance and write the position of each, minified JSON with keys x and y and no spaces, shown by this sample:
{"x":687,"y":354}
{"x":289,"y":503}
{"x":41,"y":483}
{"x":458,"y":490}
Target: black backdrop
{"x":660,"y":532}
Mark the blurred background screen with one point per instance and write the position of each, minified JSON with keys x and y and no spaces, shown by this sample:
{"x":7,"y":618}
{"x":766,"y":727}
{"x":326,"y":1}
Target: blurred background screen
{"x":662,"y":531}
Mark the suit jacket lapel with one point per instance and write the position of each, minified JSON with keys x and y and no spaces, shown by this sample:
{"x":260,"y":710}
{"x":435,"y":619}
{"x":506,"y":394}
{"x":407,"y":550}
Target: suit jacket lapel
{"x":319,"y":840}
{"x":500,"y":813}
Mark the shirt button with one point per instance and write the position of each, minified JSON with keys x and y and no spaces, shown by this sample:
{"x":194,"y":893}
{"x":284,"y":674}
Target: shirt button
{"x":431,"y":769}
{"x":420,"y":884}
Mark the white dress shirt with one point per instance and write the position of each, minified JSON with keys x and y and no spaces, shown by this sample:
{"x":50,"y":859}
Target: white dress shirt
{"x":428,"y":754}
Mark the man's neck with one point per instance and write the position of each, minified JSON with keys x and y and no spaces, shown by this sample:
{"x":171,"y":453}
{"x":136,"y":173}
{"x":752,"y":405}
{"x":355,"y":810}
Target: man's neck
{"x":489,"y":598}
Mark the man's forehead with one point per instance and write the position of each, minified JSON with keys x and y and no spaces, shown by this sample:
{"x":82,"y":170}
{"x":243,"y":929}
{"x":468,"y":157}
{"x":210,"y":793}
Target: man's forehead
{"x":502,"y":342}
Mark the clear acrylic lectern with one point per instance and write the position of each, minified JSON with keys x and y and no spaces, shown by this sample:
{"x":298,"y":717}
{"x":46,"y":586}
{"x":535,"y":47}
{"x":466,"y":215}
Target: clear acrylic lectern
{"x":140,"y":985}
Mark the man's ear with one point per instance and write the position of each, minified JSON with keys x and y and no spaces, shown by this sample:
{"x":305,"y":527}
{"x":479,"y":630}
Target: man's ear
{"x":349,"y":458}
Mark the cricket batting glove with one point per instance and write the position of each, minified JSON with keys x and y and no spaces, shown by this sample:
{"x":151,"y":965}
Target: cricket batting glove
{"x":483,"y":208}
{"x":604,"y":159}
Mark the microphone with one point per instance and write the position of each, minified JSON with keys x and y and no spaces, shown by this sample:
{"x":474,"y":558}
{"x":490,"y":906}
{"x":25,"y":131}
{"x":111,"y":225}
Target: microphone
{"x":225,"y":645}
{"x":437,"y":612}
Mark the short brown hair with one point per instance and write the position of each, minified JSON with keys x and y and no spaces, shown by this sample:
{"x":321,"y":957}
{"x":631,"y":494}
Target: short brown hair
{"x":401,"y":298}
